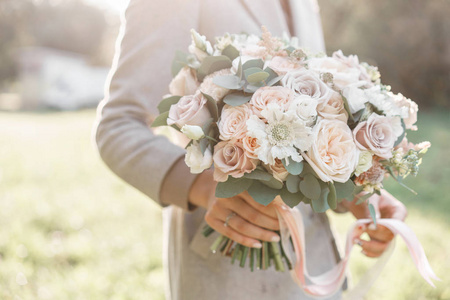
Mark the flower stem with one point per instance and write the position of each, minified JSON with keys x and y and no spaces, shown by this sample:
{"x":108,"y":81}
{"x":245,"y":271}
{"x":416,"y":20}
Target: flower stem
{"x":244,"y":257}
{"x":252,"y":258}
{"x":217,"y":243}
{"x":277,"y":257}
{"x":235,"y":253}
{"x":258,"y":258}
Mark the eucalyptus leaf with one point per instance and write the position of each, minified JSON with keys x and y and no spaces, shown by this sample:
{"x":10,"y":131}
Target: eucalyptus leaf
{"x":180,"y":60}
{"x":291,"y":199}
{"x":294,"y":167}
{"x":166,"y":103}
{"x":273,"y":183}
{"x":400,"y":138}
{"x":212,"y":106}
{"x":250,"y":89}
{"x":231,"y":52}
{"x":363,"y":198}
{"x":161,"y":120}
{"x":237,"y":98}
{"x":233,"y":186}
{"x":373,"y":214}
{"x":259,"y":174}
{"x":320,"y":204}
{"x":347,"y":108}
{"x":332,"y":199}
{"x":262,"y":193}
{"x":240,"y":72}
{"x":344,"y":190}
{"x":255,"y":75}
{"x":211,"y":64}
{"x":204,"y":143}
{"x":293,"y":183}
{"x":231,"y":82}
{"x":310,"y":187}
{"x":273,"y":81}
{"x":253,"y":63}
{"x":207,"y":126}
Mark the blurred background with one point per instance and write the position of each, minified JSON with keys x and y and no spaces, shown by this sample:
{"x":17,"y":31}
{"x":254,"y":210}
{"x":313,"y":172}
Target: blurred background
{"x":69,"y":229}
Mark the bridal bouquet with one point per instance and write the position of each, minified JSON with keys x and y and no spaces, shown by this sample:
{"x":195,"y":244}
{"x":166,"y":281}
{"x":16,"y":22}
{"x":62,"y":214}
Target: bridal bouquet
{"x":275,"y":119}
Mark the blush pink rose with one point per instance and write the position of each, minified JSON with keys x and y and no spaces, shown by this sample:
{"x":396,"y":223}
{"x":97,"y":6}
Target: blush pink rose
{"x":412,"y":108}
{"x":279,"y":95}
{"x":250,"y":145}
{"x":277,"y":170}
{"x":230,"y":160}
{"x":233,"y":121}
{"x":185,"y":83}
{"x":306,"y":82}
{"x":378,"y":134}
{"x":190,"y":110}
{"x":281,"y":65}
{"x":333,"y":108}
{"x":333,"y":154}
{"x":210,"y":88}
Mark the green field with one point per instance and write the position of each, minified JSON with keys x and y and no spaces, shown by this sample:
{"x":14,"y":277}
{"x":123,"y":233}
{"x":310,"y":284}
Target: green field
{"x":69,"y":229}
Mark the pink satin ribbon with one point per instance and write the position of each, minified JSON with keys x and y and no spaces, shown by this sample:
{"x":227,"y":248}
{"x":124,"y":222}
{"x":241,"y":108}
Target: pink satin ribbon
{"x":327,"y":284}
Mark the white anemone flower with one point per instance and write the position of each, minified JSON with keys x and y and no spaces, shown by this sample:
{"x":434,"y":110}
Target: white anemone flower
{"x":283,"y":136}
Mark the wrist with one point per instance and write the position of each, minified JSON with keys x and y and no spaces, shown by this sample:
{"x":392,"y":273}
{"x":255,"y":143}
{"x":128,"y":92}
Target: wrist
{"x":202,"y":189}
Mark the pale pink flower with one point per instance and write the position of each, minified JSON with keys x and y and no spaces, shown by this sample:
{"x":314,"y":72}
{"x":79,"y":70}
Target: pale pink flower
{"x":233,"y":121}
{"x":279,"y":95}
{"x":250,"y":145}
{"x":333,"y":108}
{"x":190,"y":110}
{"x":230,"y":159}
{"x":277,"y":170}
{"x":306,"y":82}
{"x":185,"y":83}
{"x":282,"y":65}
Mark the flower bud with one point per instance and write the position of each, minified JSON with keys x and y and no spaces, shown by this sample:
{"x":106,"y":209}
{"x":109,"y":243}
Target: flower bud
{"x":193,"y":132}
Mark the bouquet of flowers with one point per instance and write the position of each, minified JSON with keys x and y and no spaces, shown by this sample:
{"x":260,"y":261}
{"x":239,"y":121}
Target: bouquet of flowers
{"x":275,"y":119}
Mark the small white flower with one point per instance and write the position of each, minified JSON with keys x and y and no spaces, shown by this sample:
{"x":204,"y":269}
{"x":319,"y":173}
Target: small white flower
{"x":356,"y":98}
{"x":282,"y":137}
{"x":197,"y":161}
{"x":193,"y":132}
{"x":385,"y":102}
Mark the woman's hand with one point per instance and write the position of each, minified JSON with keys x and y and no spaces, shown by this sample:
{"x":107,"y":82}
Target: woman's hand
{"x":248,"y":221}
{"x":386,"y":206}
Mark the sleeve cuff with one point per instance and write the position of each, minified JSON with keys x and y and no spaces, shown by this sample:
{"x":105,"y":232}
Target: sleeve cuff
{"x":176,"y":186}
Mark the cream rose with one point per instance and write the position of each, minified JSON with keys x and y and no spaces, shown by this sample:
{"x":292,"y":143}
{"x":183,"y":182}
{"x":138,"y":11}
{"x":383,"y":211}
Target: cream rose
{"x":281,"y":65}
{"x":306,"y":82}
{"x":279,"y":95}
{"x":230,"y":160}
{"x":185,"y":83}
{"x":343,"y":74}
{"x":233,"y":121}
{"x":197,"y":161}
{"x":378,"y":134}
{"x":190,"y":110}
{"x":208,"y":87}
{"x":250,"y":145}
{"x":333,"y":108}
{"x":277,"y":170}
{"x":333,"y":154}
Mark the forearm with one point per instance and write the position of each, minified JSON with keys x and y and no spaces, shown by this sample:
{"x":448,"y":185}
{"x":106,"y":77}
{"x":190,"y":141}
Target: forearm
{"x":203,"y":189}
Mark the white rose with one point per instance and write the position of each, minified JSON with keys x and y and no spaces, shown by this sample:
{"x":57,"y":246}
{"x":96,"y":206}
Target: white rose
{"x":306,"y":82}
{"x":356,"y":98}
{"x":197,"y":161}
{"x":306,"y":108}
{"x":185,"y":83}
{"x":333,"y":154}
{"x":364,"y":163}
{"x":193,"y":132}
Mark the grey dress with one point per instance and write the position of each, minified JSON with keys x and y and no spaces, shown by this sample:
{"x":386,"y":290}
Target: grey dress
{"x":151,"y":32}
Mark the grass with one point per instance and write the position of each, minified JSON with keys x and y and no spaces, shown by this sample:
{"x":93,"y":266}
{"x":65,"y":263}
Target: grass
{"x":69,"y":229}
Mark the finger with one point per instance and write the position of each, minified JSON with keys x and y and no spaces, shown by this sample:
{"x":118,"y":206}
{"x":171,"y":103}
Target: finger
{"x":370,"y":254}
{"x":229,"y":232}
{"x":267,"y":210}
{"x":379,"y":233}
{"x":372,"y":247}
{"x":246,"y":228}
{"x":249,"y":213}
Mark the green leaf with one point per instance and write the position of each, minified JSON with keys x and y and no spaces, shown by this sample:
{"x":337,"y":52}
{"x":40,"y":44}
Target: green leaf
{"x":240,"y":72}
{"x":344,"y":190}
{"x":253,"y":63}
{"x":255,"y":75}
{"x":259,"y":174}
{"x":180,"y":60}
{"x":204,"y":143}
{"x":400,"y":138}
{"x":320,"y":205}
{"x":231,"y":82}
{"x":237,"y":98}
{"x":273,"y":77}
{"x":294,"y":167}
{"x":212,"y":106}
{"x":262,"y":193}
{"x":207,"y":126}
{"x":332,"y":199}
{"x":273,"y":183}
{"x":291,"y":199}
{"x":161,"y":120}
{"x":231,"y":52}
{"x":212,"y":64}
{"x":293,"y":183}
{"x":166,"y":103}
{"x":373,"y":214}
{"x":274,"y":81}
{"x":233,"y":186}
{"x":363,"y":198}
{"x":310,"y":187}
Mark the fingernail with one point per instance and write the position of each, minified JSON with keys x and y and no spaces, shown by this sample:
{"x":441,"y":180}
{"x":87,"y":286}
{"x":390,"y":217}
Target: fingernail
{"x":364,"y":252}
{"x":372,"y":226}
{"x":275,"y":238}
{"x":358,"y":242}
{"x":257,"y":245}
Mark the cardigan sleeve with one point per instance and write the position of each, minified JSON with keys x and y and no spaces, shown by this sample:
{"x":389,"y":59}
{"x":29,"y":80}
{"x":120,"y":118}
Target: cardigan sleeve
{"x":150,"y":34}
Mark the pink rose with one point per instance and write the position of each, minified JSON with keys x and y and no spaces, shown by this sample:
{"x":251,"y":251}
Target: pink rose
{"x":333,"y":108}
{"x":250,"y":145}
{"x":271,"y":94}
{"x":185,"y":83}
{"x":352,"y":61}
{"x":333,"y":154}
{"x":306,"y":82}
{"x":282,"y":65}
{"x":209,"y":88}
{"x":233,"y":121}
{"x":230,"y":160}
{"x":190,"y":110}
{"x":277,"y":170}
{"x":412,"y":109}
{"x":378,"y":134}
